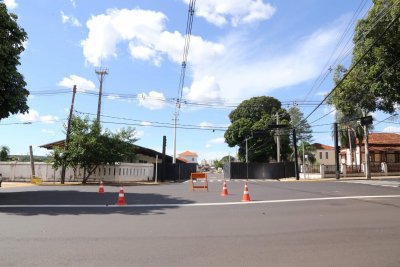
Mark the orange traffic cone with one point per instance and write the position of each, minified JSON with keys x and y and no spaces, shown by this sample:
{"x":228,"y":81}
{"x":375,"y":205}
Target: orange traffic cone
{"x":121,"y":197}
{"x":246,"y":196}
{"x":224,"y":190}
{"x":101,"y":188}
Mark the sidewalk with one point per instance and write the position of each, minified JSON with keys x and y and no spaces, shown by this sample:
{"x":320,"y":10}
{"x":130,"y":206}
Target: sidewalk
{"x":341,"y":178}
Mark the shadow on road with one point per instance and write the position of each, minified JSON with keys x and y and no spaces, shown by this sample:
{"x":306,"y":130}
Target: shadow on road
{"x":71,"y":197}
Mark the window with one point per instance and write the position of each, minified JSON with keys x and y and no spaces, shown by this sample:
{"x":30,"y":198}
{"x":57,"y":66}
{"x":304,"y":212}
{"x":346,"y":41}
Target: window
{"x":192,"y":159}
{"x":326,"y":155}
{"x":320,"y":155}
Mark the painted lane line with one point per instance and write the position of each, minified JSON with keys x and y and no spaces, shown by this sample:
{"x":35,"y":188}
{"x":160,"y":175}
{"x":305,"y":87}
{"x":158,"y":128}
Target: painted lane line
{"x":203,"y":204}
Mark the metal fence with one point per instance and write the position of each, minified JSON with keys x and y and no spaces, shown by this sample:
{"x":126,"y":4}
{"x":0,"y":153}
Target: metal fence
{"x":311,"y":169}
{"x":375,"y":167}
{"x":330,"y":169}
{"x":353,"y":169}
{"x":240,"y":170}
{"x":393,"y":167}
{"x":175,"y":171}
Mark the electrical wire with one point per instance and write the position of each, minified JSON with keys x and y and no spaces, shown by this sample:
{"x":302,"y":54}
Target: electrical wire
{"x":353,"y":66}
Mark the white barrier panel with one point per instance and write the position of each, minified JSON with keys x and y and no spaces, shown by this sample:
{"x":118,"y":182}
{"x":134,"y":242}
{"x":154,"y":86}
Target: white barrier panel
{"x":124,"y":172}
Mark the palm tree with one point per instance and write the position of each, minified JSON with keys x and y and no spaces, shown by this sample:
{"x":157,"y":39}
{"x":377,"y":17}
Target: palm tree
{"x":4,"y":152}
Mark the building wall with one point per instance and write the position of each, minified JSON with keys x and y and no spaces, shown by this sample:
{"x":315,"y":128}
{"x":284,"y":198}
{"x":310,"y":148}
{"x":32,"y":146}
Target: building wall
{"x":190,"y":159}
{"x":125,"y":172}
{"x":326,"y":157}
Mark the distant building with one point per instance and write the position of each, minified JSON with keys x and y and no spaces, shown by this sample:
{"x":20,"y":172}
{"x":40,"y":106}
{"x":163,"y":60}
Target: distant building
{"x":324,"y":154}
{"x":141,"y":155}
{"x":188,"y":157}
{"x":383,"y":147}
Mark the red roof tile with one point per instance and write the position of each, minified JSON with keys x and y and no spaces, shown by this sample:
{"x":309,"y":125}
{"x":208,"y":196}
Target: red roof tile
{"x":188,"y":154}
{"x":322,"y":146}
{"x":383,"y":139}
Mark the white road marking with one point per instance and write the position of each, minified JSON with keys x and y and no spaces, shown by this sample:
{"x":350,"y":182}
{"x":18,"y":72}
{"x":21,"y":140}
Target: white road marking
{"x":394,"y":184}
{"x":203,"y":204}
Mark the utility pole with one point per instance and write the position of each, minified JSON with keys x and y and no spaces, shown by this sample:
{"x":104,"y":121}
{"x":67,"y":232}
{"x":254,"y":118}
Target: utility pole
{"x":175,"y":118}
{"x":101,"y":73}
{"x":278,"y":141}
{"x":336,"y":138}
{"x":365,"y":121}
{"x":296,"y":160}
{"x":71,"y":109}
{"x":164,"y":147}
{"x":32,"y":162}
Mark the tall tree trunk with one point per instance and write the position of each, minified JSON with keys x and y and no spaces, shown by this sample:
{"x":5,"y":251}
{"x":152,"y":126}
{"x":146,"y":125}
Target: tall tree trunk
{"x":86,"y":177}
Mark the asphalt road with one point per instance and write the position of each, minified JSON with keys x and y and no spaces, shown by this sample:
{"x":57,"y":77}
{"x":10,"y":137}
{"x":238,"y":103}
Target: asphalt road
{"x":286,"y":224}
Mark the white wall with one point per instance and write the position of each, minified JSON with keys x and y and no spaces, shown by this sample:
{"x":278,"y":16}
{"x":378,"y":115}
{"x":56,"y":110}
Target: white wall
{"x":125,"y":172}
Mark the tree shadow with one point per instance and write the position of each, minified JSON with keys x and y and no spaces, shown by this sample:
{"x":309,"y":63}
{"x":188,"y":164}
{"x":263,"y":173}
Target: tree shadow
{"x":78,"y":203}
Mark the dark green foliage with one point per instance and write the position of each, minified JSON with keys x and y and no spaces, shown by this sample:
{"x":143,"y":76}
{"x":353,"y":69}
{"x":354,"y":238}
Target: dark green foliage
{"x":255,"y":115}
{"x":13,"y":95}
{"x":4,"y":153}
{"x":303,"y":129}
{"x":374,"y":83}
{"x":89,"y":148}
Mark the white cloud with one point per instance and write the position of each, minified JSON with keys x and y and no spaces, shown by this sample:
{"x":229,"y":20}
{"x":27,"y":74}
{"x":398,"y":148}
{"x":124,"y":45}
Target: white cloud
{"x":215,"y":141}
{"x":139,"y":134}
{"x":205,"y":90}
{"x":82,"y":84}
{"x":11,"y":4}
{"x":144,"y":32}
{"x":392,"y":129}
{"x":330,"y":110}
{"x":33,"y":116}
{"x":220,"y":12}
{"x":113,"y":97}
{"x":70,"y":20}
{"x":152,"y":101}
{"x":73,"y":2}
{"x":243,"y":71}
{"x":146,"y":123}
{"x":205,"y":125}
{"x":50,"y":132}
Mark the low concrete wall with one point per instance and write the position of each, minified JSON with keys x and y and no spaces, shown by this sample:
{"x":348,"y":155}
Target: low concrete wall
{"x":125,"y":172}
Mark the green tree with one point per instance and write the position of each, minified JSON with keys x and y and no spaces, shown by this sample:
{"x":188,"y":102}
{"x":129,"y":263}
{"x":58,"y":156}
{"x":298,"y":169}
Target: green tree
{"x":220,"y":163}
{"x":4,"y":153}
{"x":374,"y":82}
{"x":254,"y":116}
{"x":303,"y":128}
{"x":308,"y":152}
{"x":89,"y":148}
{"x":350,"y":132}
{"x":13,"y":95}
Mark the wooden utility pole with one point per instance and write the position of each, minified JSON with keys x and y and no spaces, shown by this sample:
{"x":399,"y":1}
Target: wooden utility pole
{"x":278,"y":141}
{"x":32,"y":162}
{"x":71,"y":110}
{"x":101,"y":73}
{"x":296,"y":160}
{"x":336,"y":145}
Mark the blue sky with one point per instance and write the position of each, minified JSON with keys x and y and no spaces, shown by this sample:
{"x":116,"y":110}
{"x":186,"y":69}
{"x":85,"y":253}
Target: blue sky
{"x":238,"y":49}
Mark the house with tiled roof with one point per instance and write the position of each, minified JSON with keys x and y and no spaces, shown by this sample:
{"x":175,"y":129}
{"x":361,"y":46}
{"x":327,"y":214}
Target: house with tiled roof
{"x":324,"y":154}
{"x":383,"y":147}
{"x":188,"y":157}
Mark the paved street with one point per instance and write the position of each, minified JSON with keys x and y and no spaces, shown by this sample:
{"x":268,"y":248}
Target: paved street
{"x":286,"y":224}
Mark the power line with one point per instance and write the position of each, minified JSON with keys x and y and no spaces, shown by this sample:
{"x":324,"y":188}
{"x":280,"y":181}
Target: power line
{"x":159,"y":124}
{"x":355,"y":64}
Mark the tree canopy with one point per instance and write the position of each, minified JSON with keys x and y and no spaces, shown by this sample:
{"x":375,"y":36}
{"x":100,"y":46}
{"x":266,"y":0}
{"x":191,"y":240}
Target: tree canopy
{"x":373,"y":80}
{"x":13,"y":95}
{"x":89,"y":147}
{"x":303,"y":128}
{"x":254,"y":116}
{"x":4,"y":153}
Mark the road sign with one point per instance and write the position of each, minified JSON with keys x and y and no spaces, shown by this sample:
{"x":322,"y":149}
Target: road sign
{"x":367,"y":120}
{"x":277,"y":126}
